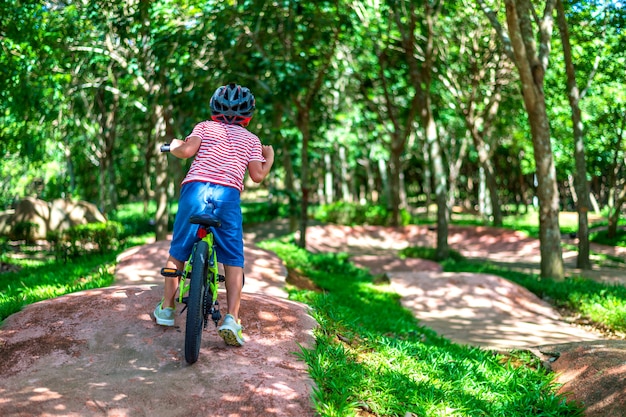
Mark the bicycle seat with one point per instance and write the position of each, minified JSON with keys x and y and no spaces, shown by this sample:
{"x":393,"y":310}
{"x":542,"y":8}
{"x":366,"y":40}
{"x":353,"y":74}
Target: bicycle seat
{"x":207,"y":220}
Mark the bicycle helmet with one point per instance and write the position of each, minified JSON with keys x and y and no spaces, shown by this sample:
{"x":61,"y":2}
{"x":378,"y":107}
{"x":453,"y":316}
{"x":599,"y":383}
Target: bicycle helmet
{"x":232,"y":104}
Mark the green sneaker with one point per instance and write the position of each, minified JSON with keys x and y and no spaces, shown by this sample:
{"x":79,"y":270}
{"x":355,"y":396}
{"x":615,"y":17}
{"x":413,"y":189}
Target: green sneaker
{"x":164,"y":316}
{"x":230,"y":331}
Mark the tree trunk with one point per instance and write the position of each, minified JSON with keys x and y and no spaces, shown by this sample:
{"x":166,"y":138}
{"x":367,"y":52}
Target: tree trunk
{"x":162,"y":177}
{"x":617,"y":186}
{"x":107,"y":120}
{"x":345,"y":180}
{"x":492,"y":186}
{"x":328,"y":180}
{"x":486,"y":164}
{"x":547,"y":192}
{"x":428,"y":180}
{"x":384,"y":179}
{"x":614,"y":214}
{"x":394,"y":202}
{"x":580,"y":182}
{"x":440,"y":181}
{"x":531,"y":68}
{"x":304,"y":127}
{"x":290,"y":189}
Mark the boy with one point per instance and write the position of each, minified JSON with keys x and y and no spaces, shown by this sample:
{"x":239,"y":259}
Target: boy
{"x":223,"y":150}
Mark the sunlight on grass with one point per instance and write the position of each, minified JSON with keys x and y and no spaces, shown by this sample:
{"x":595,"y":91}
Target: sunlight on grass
{"x":371,"y":355}
{"x":41,"y":280}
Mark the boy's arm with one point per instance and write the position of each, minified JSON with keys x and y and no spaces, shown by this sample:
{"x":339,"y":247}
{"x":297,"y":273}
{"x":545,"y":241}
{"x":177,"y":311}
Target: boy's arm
{"x":258,"y":170}
{"x":185,"y":148}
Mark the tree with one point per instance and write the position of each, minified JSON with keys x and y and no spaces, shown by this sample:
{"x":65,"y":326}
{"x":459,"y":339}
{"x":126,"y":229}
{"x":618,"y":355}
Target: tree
{"x":148,"y":57}
{"x":531,"y":60}
{"x":477,"y":76}
{"x":298,"y":59}
{"x":385,"y":86}
{"x":421,"y":68}
{"x":582,"y":187}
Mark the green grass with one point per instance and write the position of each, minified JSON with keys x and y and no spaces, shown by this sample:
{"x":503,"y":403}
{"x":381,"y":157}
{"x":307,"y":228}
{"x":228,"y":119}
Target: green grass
{"x":372,"y":355}
{"x":602,"y":237}
{"x":41,"y":277}
{"x":41,"y":280}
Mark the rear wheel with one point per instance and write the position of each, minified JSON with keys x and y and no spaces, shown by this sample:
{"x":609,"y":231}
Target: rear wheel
{"x":196,"y":302}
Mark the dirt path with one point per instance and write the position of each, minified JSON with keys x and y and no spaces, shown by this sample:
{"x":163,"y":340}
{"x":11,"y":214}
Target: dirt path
{"x":99,"y":353}
{"x":474,"y":309}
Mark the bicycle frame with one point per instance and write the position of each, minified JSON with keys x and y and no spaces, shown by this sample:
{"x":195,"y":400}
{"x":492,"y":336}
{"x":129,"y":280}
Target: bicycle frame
{"x":212,"y":278}
{"x":205,"y":234}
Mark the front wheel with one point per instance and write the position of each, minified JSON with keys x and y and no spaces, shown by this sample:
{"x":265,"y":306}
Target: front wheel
{"x":195,"y":302}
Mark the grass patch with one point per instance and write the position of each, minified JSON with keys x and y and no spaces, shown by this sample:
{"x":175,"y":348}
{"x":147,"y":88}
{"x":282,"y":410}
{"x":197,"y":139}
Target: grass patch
{"x":41,"y":280}
{"x":41,"y":276}
{"x":372,"y":356}
{"x":424,"y":252}
{"x":602,"y":237}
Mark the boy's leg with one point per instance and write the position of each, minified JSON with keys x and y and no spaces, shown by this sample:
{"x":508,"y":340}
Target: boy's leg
{"x":171,"y":284}
{"x":230,"y":330}
{"x":164,"y":311}
{"x":234,"y":285}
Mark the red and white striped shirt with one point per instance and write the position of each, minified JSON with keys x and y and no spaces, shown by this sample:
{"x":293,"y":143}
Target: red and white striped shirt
{"x":224,"y":154}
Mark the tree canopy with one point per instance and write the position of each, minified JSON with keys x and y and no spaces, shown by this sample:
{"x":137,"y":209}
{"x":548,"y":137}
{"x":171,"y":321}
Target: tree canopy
{"x":390,"y":103}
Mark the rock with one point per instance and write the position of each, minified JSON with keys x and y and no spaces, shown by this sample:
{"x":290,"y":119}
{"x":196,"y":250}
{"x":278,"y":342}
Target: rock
{"x":592,"y":373}
{"x":5,"y":222}
{"x":57,"y":215}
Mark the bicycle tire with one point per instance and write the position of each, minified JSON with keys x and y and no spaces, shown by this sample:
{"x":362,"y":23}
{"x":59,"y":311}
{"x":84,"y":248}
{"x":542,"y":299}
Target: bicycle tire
{"x":196,"y":302}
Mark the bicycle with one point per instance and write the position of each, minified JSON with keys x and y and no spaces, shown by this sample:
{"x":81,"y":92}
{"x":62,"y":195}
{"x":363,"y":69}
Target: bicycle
{"x":201,"y":270}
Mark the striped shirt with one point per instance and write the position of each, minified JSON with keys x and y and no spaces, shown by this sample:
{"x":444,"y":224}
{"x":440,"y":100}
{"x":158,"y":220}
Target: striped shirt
{"x":224,"y":154}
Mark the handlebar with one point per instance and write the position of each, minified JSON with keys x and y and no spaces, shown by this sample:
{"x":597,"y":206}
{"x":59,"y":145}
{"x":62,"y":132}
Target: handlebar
{"x":165,"y":147}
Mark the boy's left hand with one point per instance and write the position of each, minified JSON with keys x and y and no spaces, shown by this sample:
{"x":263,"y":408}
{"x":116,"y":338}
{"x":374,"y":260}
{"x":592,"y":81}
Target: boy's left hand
{"x":268,"y":152}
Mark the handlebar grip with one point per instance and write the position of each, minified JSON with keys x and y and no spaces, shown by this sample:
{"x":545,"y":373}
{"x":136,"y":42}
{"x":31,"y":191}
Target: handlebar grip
{"x":165,"y":147}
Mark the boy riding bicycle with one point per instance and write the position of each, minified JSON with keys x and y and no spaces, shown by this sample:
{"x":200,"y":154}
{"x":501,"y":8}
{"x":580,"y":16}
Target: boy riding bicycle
{"x":223,"y":150}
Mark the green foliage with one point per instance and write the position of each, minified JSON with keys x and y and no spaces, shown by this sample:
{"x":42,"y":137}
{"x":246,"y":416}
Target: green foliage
{"x":372,"y":356}
{"x":602,"y":237}
{"x":81,"y":239}
{"x":136,"y":221}
{"x":36,"y":281}
{"x":358,"y":214}
{"x":260,"y":212}
{"x":23,"y":230}
{"x":424,"y":252}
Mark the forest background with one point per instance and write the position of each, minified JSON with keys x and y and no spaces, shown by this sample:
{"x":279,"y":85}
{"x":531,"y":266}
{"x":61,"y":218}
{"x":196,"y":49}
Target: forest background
{"x":398,"y":106}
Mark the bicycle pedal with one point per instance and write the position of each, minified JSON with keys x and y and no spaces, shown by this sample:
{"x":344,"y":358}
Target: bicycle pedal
{"x":171,"y":272}
{"x":221,"y":278}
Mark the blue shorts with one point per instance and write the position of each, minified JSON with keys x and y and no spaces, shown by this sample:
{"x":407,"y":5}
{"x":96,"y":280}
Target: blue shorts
{"x":222,"y":202}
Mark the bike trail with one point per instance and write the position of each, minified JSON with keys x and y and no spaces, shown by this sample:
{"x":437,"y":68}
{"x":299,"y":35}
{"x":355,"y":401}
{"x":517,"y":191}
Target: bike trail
{"x":99,"y":352}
